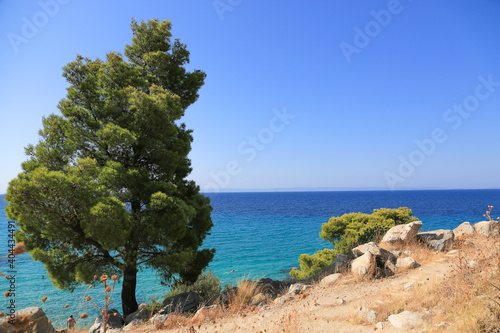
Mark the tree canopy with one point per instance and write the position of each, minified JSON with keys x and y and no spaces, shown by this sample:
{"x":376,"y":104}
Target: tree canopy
{"x":349,"y":231}
{"x":104,"y":191}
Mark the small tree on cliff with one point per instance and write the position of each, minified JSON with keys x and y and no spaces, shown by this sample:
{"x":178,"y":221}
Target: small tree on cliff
{"x":104,"y":190}
{"x":348,"y":231}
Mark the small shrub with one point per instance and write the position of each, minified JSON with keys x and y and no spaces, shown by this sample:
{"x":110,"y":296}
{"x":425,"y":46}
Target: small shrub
{"x":349,"y":231}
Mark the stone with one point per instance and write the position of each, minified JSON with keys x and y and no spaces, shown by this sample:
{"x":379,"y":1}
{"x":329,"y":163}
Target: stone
{"x":402,"y":232}
{"x":205,"y":311}
{"x":364,"y":265}
{"x":298,"y":288}
{"x":115,"y":321}
{"x":340,"y":265}
{"x":405,"y":318}
{"x":329,"y":280}
{"x":463,"y":230}
{"x":382,"y":255}
{"x":258,"y":299}
{"x":181,"y":303}
{"x":339,"y":301}
{"x":380,"y":325}
{"x":158,"y":318}
{"x":370,"y":316}
{"x":397,"y":254}
{"x":142,"y":314}
{"x":284,"y":299}
{"x":407,"y":262}
{"x":24,"y":317}
{"x":439,"y":240}
{"x":487,"y":228}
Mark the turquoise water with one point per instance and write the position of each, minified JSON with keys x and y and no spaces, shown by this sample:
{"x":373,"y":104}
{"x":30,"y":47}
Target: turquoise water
{"x":256,"y":235}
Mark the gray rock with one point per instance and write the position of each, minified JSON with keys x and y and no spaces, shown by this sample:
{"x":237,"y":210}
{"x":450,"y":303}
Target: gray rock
{"x":440,"y":240}
{"x":298,"y":288}
{"x":141,"y":315}
{"x":402,"y":232}
{"x":115,"y":321}
{"x":405,"y":318}
{"x":25,"y":316}
{"x":397,"y":254}
{"x":370,"y":316}
{"x":487,"y":228}
{"x":380,"y":325}
{"x":284,"y":299}
{"x":381,"y":254}
{"x":329,"y":280}
{"x":463,"y":230}
{"x":364,"y":265}
{"x":340,"y":265}
{"x":158,"y":318}
{"x":181,"y":303}
{"x":258,"y":299}
{"x":407,"y":262}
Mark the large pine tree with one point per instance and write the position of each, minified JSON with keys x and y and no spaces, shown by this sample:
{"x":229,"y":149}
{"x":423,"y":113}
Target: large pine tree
{"x":105,"y":190}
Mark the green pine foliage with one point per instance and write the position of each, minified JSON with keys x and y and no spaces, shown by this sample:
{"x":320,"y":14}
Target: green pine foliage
{"x":105,"y":191}
{"x":348,"y":231}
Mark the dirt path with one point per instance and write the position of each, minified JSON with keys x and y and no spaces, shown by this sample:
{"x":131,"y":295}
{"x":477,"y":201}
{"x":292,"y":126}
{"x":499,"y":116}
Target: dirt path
{"x":320,"y":310}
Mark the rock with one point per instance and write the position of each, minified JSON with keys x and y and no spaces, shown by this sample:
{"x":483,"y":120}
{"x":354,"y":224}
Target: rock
{"x":364,"y":265}
{"x":258,"y":299}
{"x":408,"y":252}
{"x":24,"y":317}
{"x":366,"y":314}
{"x":298,"y":288}
{"x":284,"y":299}
{"x":204,"y":312}
{"x":487,"y":228}
{"x":463,"y":230}
{"x":407,"y":262}
{"x":339,"y":301}
{"x":132,"y":325}
{"x":115,"y":321}
{"x":273,"y":287}
{"x":181,"y":303}
{"x":405,"y":318}
{"x":397,"y":254}
{"x":329,"y":280}
{"x":158,"y":318}
{"x":440,"y":240}
{"x":402,"y":232}
{"x":380,"y":325}
{"x":370,"y":316}
{"x":142,"y":314}
{"x":382,"y":255}
{"x":340,"y":265}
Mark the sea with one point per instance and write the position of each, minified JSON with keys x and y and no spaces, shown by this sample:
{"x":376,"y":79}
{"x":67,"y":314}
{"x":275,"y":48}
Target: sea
{"x":255,"y":235}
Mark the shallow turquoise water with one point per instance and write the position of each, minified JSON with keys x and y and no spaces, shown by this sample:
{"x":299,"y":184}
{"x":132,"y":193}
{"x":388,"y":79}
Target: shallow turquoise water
{"x":256,"y":235}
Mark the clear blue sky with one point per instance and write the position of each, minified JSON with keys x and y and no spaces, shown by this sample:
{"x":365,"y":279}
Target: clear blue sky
{"x":363,"y":81}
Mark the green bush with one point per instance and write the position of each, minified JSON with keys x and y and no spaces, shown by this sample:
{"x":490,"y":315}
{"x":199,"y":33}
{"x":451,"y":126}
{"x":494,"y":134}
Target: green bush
{"x":349,"y":231}
{"x":207,"y":286}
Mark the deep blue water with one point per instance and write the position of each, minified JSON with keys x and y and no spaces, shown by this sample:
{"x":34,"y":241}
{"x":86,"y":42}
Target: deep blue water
{"x":259,"y":235}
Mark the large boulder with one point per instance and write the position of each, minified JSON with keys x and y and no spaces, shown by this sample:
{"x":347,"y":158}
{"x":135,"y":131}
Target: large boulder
{"x":115,"y":321}
{"x":340,"y":265}
{"x":404,"y":319}
{"x":330,"y":279}
{"x":181,"y":303}
{"x":440,"y":240}
{"x":463,"y":230}
{"x":402,"y":232}
{"x":487,"y":228}
{"x":29,"y":320}
{"x":382,"y":255}
{"x":364,"y":265}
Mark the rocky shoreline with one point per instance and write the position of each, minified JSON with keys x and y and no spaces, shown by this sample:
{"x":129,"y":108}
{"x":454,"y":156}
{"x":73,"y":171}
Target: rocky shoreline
{"x":366,"y":261}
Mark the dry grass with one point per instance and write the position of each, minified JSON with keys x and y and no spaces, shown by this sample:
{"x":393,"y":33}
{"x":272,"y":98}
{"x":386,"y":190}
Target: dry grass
{"x":468,"y":298}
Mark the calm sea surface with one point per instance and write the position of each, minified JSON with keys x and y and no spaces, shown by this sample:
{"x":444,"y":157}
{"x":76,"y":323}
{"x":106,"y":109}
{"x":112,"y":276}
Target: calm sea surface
{"x":256,"y":235}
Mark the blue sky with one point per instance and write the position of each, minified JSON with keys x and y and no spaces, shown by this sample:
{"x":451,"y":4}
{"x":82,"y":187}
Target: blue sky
{"x":324,"y":94}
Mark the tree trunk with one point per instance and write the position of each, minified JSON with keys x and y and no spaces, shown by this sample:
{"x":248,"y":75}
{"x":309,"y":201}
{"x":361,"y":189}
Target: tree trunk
{"x":129,"y":303}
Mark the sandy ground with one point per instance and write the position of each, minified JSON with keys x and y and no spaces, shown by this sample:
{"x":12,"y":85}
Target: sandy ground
{"x":319,"y":310}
